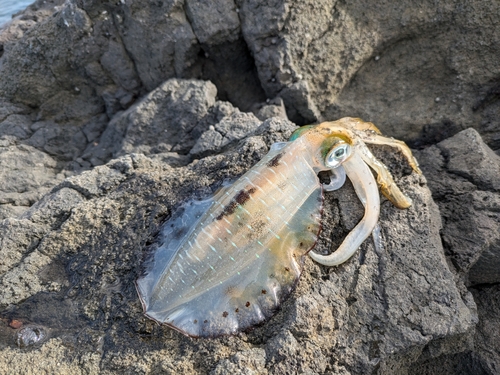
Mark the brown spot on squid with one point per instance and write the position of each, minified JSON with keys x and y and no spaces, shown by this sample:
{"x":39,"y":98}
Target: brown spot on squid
{"x":275,"y":161}
{"x":239,"y":199}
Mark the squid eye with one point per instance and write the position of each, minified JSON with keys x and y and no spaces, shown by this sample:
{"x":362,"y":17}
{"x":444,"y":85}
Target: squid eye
{"x":337,"y":155}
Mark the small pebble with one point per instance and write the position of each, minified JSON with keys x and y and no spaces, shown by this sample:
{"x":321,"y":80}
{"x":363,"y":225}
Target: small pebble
{"x":15,"y":324}
{"x":29,"y":336}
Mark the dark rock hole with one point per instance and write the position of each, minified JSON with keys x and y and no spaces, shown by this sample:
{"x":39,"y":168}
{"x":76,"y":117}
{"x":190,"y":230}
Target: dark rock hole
{"x":231,"y":68}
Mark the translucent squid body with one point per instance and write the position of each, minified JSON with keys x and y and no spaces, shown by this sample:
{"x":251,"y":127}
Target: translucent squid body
{"x":226,"y":263}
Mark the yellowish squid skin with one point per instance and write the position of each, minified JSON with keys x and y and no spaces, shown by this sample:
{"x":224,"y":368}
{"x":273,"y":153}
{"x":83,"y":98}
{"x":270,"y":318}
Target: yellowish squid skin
{"x":226,"y":264}
{"x":357,"y":134}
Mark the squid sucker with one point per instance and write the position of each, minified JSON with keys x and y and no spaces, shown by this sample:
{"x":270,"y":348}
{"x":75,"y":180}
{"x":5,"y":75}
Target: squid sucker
{"x":226,"y":263}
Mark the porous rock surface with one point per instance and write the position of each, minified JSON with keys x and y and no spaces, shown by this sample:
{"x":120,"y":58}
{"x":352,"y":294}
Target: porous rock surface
{"x":114,"y":113}
{"x":73,"y":271}
{"x":464,"y":176}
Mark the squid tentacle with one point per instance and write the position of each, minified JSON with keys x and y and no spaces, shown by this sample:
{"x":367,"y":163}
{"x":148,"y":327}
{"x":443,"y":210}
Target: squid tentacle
{"x":367,"y":191}
{"x":337,"y":179}
{"x":384,"y":179}
{"x":377,"y":139}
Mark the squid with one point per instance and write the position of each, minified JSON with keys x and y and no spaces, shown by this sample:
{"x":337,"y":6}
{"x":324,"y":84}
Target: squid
{"x":226,"y":263}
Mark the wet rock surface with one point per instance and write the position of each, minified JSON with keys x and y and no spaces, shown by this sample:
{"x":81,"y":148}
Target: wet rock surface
{"x":112,"y":114}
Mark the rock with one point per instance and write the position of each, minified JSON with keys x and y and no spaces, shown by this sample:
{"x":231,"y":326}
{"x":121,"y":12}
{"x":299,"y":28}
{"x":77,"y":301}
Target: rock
{"x":18,"y":238}
{"x":10,"y":210}
{"x":214,"y":22}
{"x":165,"y":120}
{"x":249,"y":362}
{"x":34,"y":156}
{"x":228,"y":130}
{"x":61,"y":142}
{"x":487,"y":333}
{"x":86,"y":83}
{"x":272,"y":108}
{"x":339,"y":62}
{"x":464,"y":176}
{"x":180,"y":116}
{"x":54,"y":208}
{"x":160,"y":27}
{"x":386,"y":309}
{"x":7,"y":109}
{"x":26,"y":174}
{"x":17,"y":126}
{"x":379,"y":62}
{"x":25,"y":20}
{"x":482,"y":356}
{"x":54,"y":356}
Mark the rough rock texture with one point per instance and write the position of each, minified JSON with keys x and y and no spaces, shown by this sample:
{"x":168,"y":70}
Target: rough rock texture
{"x":24,"y":20}
{"x":488,"y":329}
{"x":26,"y":174}
{"x":114,"y":112}
{"x":464,"y":176}
{"x":420,"y":70}
{"x":161,"y":122}
{"x":71,"y":276}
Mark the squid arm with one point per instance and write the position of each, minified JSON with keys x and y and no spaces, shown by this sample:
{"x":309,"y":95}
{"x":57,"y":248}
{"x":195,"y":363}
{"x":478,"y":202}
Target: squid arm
{"x":367,"y":191}
{"x":356,"y":168}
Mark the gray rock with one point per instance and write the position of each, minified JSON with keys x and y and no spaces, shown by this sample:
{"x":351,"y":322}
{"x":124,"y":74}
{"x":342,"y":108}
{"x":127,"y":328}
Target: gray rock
{"x":338,"y":62}
{"x":380,"y":62}
{"x":228,"y":130}
{"x":464,"y":176}
{"x":468,"y":157}
{"x":214,"y":22}
{"x":74,"y":278}
{"x":7,"y":108}
{"x":17,"y":126}
{"x":25,"y":20}
{"x":488,"y":330}
{"x":422,"y":73}
{"x":26,"y":174}
{"x":55,"y":207}
{"x":162,"y":28}
{"x":10,"y":210}
{"x":161,"y":122}
{"x":21,"y":237}
{"x":64,"y":143}
{"x":237,"y":126}
{"x":18,"y":238}
{"x":32,"y":156}
{"x":209,"y":143}
{"x":248,"y":362}
{"x":110,"y":62}
{"x":482,"y":355}
{"x":272,"y":108}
